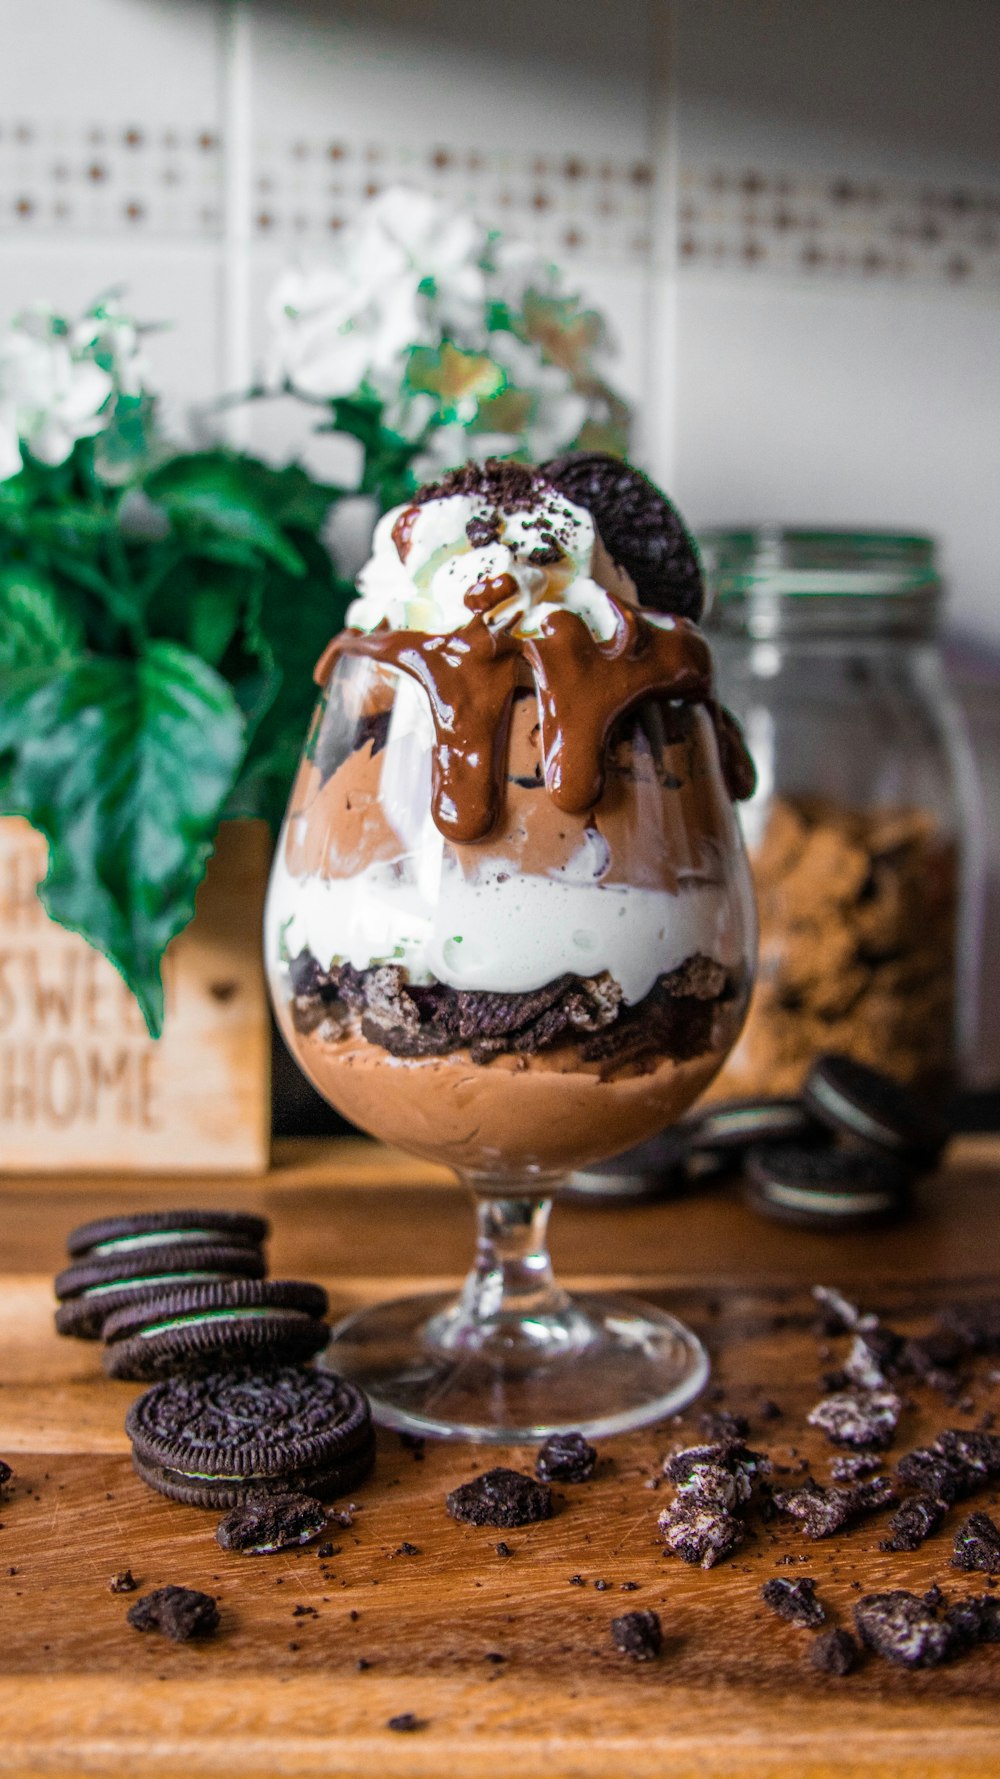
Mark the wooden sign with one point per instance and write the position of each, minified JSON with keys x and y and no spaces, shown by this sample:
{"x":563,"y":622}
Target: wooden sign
{"x":82,"y":1085}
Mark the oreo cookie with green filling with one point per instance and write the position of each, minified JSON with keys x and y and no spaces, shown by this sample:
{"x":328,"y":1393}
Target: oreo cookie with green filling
{"x":217,"y":1439}
{"x":146,"y":1231}
{"x":871,"y":1108}
{"x":207,"y":1327}
{"x":92,"y":1290}
{"x":826,"y":1188}
{"x":742,"y":1124}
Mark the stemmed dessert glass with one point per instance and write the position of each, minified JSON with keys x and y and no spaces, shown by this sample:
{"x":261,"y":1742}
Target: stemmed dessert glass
{"x":636,"y":915}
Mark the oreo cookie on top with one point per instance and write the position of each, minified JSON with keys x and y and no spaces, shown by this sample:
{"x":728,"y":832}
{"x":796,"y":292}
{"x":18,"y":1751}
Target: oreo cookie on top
{"x":217,"y":1439}
{"x":208,"y":1327}
{"x":641,"y":529}
{"x":92,"y":1290}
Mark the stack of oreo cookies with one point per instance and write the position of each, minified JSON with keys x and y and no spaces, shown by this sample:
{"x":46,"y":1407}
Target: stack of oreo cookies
{"x":185,"y":1291}
{"x":119,"y":1263}
{"x":851,"y":1160}
{"x":235,"y":1415}
{"x":844,"y":1155}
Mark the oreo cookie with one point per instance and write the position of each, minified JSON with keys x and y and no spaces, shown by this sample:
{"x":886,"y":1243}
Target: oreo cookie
{"x":826,"y":1188}
{"x":214,"y":1440}
{"x":208,"y":1327}
{"x":148,"y":1231}
{"x":641,"y":528}
{"x":92,"y":1290}
{"x":654,"y":1169}
{"x":859,"y":1102}
{"x":741,"y":1124}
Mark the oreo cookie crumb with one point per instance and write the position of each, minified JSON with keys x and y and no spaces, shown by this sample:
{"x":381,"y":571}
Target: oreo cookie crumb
{"x":5,"y":1474}
{"x":500,"y":1497}
{"x":976,"y":1449}
{"x":794,"y":1601}
{"x":900,"y":1627}
{"x":855,"y":1467}
{"x":264,"y":1523}
{"x":503,"y":1550}
{"x":822,"y":1512}
{"x":178,"y":1613}
{"x":509,"y":487}
{"x":914,"y":1522}
{"x":838,"y":1314}
{"x":769,"y":1410}
{"x":700,"y":1533}
{"x":577,"y":1581}
{"x":483,"y":529}
{"x":566,"y":1457}
{"x":638,"y":1634}
{"x":405,"y":1722}
{"x":406,"y":1549}
{"x":602,"y":1586}
{"x":123,"y":1582}
{"x":858,"y":1418}
{"x":326,"y":1550}
{"x":934,"y":1598}
{"x":834,"y":1652}
{"x":977,"y":1545}
{"x":976,"y":1619}
{"x":935,"y":1474}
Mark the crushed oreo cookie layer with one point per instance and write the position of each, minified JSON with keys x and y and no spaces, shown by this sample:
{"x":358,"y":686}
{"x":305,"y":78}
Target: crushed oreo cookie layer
{"x":408,"y":1019}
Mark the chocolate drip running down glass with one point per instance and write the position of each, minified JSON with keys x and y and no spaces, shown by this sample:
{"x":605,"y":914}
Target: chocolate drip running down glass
{"x":510,"y":923}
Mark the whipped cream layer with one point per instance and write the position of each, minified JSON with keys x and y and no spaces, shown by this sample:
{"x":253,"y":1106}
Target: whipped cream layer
{"x":426,"y":559}
{"x":494,"y":930}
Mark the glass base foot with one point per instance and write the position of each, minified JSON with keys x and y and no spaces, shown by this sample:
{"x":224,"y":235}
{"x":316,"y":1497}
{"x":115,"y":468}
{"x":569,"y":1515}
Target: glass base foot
{"x":600,"y":1365}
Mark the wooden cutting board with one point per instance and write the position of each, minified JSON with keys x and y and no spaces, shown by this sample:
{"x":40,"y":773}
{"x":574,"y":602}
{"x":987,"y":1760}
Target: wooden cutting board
{"x":279,"y":1691}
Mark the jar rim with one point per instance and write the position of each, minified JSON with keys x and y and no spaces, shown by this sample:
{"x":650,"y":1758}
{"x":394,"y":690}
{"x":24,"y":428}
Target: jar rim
{"x":772,"y":580}
{"x":810,"y":561}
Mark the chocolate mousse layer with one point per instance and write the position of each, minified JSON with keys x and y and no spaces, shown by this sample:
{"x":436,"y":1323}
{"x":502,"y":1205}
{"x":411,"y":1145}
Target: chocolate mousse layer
{"x":675,"y":1020}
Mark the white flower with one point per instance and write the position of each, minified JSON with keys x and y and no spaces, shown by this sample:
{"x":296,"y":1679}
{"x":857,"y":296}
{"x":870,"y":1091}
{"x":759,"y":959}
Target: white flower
{"x":514,"y":268}
{"x":113,"y":340}
{"x":406,"y":273}
{"x":412,"y":271}
{"x":49,"y":398}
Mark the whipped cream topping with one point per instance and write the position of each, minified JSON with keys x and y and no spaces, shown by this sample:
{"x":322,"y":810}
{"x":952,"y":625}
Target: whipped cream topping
{"x":434,"y":565}
{"x":491,"y":930}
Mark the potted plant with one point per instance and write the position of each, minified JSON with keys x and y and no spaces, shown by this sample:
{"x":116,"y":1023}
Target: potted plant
{"x":161,"y":609}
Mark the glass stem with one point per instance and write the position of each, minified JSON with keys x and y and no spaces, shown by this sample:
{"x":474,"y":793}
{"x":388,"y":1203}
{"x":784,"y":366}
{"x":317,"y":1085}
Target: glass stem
{"x":510,"y":1296}
{"x":512,"y":1275}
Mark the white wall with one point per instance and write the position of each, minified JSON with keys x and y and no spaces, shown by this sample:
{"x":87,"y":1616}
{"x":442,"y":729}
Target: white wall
{"x":790,"y":209}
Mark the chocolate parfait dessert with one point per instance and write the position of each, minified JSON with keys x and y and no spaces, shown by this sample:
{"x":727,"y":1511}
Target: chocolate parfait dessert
{"x":510,"y":925}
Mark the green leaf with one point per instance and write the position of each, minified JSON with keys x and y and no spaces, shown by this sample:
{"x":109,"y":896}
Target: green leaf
{"x":214,"y":494}
{"x":124,"y":766}
{"x":37,"y":625}
{"x":288,"y":629}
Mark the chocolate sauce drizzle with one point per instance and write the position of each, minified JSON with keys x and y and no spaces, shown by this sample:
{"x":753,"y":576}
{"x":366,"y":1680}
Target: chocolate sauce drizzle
{"x":584,"y":685}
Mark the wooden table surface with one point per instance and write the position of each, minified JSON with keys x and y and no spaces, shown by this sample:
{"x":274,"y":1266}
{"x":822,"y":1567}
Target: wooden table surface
{"x":281,"y":1693}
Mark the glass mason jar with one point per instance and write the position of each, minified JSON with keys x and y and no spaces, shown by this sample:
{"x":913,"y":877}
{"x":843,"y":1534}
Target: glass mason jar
{"x":858,"y":833}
